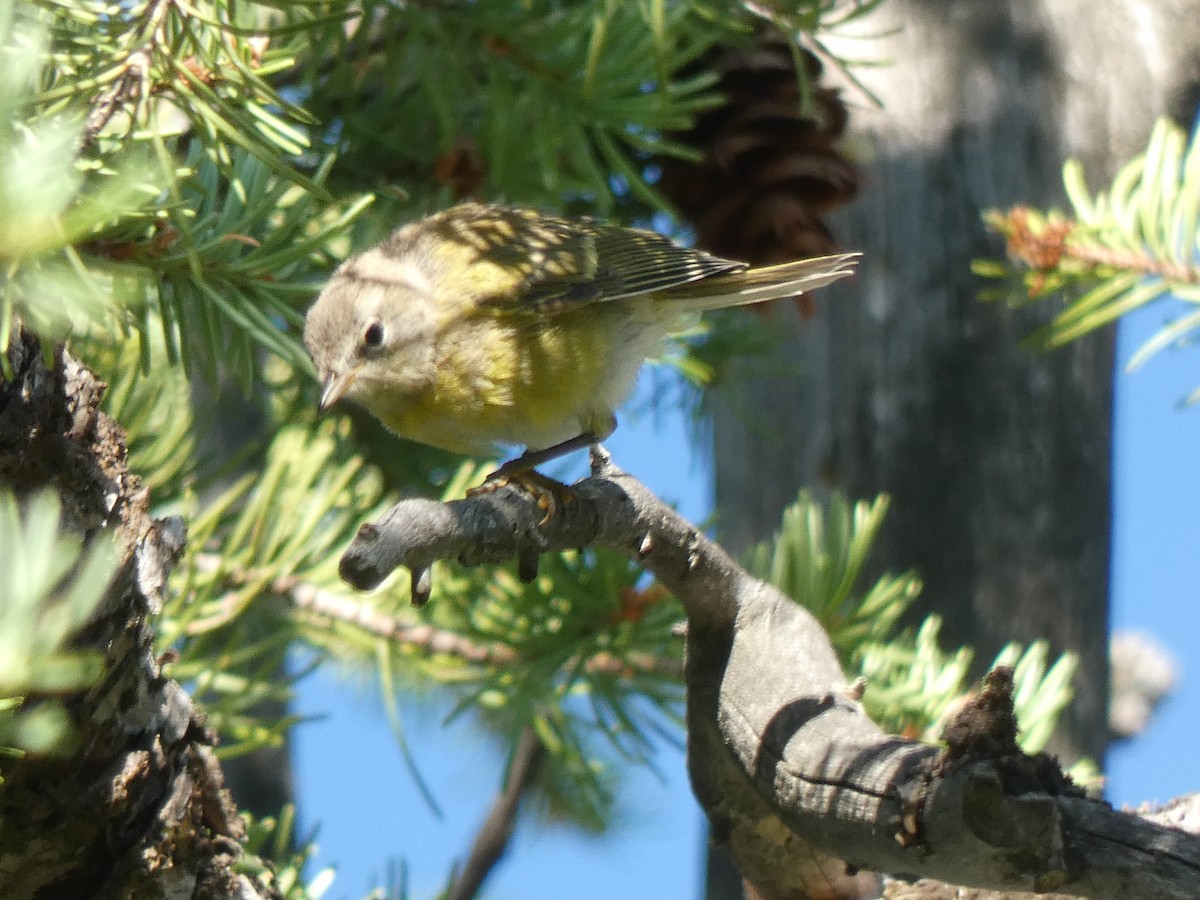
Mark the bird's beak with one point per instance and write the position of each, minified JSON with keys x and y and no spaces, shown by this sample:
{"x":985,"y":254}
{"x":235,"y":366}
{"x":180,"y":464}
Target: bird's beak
{"x":335,"y":389}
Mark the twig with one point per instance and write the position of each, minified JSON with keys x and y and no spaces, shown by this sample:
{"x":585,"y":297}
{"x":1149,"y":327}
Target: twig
{"x":1043,"y":242}
{"x":491,"y":841}
{"x":1133,"y":261}
{"x":318,"y":601}
{"x":130,"y":75}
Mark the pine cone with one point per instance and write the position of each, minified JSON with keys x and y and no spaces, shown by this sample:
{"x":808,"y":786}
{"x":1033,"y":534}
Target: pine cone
{"x":769,"y":171}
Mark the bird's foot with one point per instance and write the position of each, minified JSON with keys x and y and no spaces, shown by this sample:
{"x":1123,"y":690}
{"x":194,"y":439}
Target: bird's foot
{"x":548,"y":493}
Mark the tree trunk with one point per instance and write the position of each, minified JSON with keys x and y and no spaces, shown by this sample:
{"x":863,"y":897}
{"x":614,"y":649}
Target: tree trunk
{"x":136,"y":806}
{"x":997,"y":457}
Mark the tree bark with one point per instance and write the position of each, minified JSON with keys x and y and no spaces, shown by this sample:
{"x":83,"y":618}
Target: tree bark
{"x":138,"y":808}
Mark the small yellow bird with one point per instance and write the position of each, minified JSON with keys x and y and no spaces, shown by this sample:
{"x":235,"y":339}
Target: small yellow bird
{"x":487,"y":325}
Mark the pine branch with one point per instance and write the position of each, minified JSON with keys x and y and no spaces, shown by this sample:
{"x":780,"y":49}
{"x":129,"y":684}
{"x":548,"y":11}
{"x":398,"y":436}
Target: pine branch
{"x":330,"y":605}
{"x":1132,"y":244}
{"x":129,"y":75}
{"x":1047,"y":242}
{"x":779,"y":748}
{"x":217,"y":229}
{"x":1133,"y":261}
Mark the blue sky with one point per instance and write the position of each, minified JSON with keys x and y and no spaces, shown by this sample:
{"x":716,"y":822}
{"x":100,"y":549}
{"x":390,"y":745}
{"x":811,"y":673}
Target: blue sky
{"x":1156,"y":566}
{"x":356,"y":790}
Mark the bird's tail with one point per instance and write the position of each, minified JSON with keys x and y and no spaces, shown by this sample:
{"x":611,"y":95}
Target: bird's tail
{"x":763,"y":283}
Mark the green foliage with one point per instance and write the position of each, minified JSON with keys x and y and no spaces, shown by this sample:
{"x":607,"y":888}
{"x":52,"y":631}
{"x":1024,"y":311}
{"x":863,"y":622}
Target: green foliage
{"x":159,"y":69}
{"x":1040,"y":694}
{"x":50,"y":586}
{"x":235,"y":262}
{"x":562,"y":106}
{"x":564,"y":97}
{"x":912,"y":685}
{"x":281,"y":525}
{"x":1124,"y":247}
{"x":49,"y":203}
{"x":219,"y":237}
{"x":818,"y":556}
{"x":597,"y":667}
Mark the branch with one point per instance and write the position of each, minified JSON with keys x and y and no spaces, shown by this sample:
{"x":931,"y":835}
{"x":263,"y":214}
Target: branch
{"x":785,"y":762}
{"x":314,"y":600}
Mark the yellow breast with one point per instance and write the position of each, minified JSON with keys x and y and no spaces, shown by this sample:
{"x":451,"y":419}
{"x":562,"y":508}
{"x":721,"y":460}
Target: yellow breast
{"x":510,"y":380}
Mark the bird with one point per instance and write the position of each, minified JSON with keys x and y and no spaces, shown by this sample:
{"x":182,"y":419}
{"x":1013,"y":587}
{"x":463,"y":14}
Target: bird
{"x":487,"y":326}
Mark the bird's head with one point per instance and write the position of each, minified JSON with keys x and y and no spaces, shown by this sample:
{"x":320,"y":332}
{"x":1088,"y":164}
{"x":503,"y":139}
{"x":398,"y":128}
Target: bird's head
{"x":371,"y":331}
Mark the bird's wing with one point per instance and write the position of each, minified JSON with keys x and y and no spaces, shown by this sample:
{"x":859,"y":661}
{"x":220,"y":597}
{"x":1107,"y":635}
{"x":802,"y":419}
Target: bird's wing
{"x":631,"y":262}
{"x":572,"y":261}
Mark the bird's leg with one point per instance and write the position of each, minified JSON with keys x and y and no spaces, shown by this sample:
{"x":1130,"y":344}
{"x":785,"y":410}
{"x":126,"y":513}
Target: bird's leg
{"x":522,"y":472}
{"x":531,"y":459}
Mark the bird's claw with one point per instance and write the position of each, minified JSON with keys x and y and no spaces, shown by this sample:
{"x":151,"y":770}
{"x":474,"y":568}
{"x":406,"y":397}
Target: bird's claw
{"x":545,"y":491}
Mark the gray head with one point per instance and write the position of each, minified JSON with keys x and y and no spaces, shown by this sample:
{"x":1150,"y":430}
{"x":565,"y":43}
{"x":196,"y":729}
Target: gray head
{"x":371,"y":331}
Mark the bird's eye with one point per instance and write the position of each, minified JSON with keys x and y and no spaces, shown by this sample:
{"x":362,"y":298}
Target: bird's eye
{"x":373,"y":336}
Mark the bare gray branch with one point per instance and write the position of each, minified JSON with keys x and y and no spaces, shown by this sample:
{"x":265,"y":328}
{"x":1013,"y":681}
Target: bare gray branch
{"x":789,"y":769}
